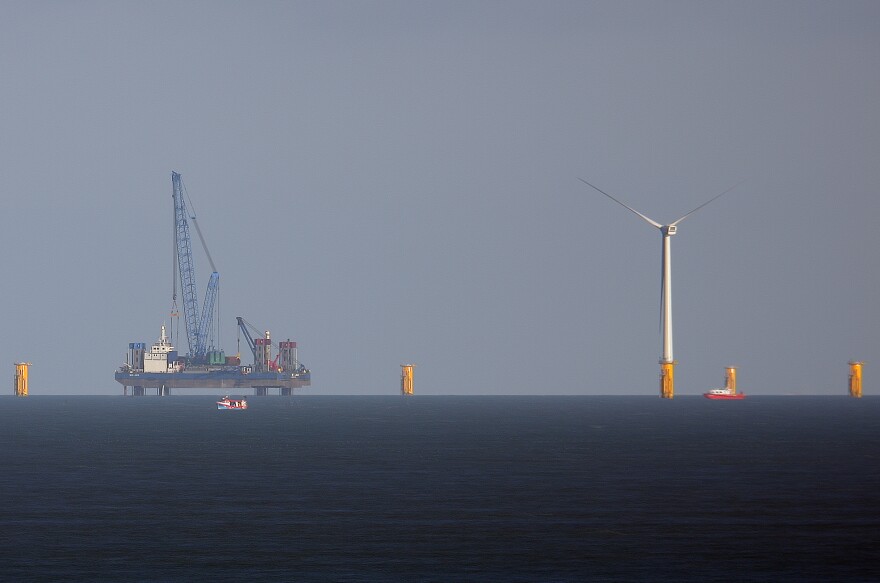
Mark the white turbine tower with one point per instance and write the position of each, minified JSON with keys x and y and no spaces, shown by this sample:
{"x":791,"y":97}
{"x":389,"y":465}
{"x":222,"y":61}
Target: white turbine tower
{"x":667,"y":361}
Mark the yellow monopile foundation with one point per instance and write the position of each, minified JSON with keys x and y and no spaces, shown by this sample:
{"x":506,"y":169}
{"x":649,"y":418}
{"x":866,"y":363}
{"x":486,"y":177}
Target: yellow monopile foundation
{"x":667,"y":380}
{"x":406,"y":379}
{"x":21,"y":379}
{"x":855,"y":379}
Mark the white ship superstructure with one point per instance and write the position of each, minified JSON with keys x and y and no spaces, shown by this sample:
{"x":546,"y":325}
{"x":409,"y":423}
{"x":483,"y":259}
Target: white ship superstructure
{"x":157,"y":359}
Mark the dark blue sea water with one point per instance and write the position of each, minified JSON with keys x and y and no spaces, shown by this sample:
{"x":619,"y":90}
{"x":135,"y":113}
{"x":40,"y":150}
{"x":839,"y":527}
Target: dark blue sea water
{"x":440,"y":489}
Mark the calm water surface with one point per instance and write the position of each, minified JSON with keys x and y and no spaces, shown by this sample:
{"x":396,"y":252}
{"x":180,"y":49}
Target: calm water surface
{"x":439,"y":489}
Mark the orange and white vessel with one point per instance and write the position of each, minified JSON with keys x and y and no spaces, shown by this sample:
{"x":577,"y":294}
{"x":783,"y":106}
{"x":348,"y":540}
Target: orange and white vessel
{"x":729,"y":391}
{"x":227,"y":403}
{"x":723,"y":394}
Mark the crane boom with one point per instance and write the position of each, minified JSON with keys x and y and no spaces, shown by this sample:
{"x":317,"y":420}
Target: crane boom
{"x":243,"y":326}
{"x":185,"y":265}
{"x":198,"y":329}
{"x":206,"y":325}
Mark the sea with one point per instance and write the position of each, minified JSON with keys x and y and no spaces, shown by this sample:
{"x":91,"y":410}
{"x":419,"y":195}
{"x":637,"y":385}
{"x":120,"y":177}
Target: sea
{"x":440,"y":488}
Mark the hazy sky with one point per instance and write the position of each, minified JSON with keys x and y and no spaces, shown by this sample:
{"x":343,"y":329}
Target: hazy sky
{"x":390,"y":182}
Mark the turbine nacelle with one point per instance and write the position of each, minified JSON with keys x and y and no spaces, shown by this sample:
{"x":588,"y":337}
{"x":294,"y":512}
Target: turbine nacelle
{"x":668,"y":230}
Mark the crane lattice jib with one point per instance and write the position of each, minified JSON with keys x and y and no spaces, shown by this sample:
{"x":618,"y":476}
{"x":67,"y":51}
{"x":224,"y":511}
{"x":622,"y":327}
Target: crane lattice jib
{"x":206,"y":326}
{"x":243,"y":326}
{"x":185,"y":265}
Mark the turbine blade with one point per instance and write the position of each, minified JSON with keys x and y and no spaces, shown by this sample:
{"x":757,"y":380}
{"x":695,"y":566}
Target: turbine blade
{"x":672,"y":224}
{"x":650,"y":221}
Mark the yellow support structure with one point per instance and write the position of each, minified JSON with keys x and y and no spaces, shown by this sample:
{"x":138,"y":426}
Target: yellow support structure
{"x":21,"y":379}
{"x":667,"y":379}
{"x":855,"y":379}
{"x":730,"y":379}
{"x":406,"y":379}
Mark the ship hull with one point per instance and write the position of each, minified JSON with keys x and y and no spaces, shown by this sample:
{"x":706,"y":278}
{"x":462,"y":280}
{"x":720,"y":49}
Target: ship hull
{"x":735,"y":397}
{"x":213,"y":380}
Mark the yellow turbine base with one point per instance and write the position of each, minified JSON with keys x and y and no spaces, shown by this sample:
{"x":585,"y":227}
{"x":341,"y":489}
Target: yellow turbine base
{"x":855,"y":379}
{"x":667,"y":379}
{"x":406,"y":379}
{"x":730,"y":379}
{"x":21,"y":379}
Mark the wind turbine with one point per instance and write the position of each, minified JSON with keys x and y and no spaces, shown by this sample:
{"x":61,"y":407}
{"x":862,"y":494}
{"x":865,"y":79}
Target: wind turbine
{"x":667,"y":362}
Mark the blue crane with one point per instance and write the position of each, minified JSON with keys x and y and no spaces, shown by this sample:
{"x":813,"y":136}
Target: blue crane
{"x":206,"y":324}
{"x":198,"y":329}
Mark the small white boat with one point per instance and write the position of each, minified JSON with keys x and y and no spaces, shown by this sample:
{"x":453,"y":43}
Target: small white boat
{"x":227,"y":403}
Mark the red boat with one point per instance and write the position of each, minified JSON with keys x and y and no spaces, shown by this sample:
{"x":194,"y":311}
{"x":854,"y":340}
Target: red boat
{"x":724,"y":394}
{"x":227,"y":403}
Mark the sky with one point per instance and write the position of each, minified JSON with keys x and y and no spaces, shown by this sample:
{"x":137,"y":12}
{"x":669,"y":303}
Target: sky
{"x":397,"y":182}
